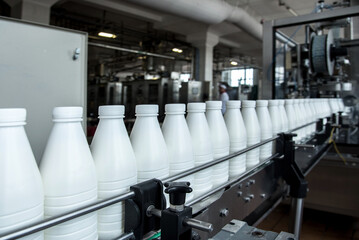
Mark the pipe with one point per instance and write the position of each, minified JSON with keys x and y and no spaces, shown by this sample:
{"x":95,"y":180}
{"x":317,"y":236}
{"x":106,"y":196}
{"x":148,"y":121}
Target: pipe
{"x":209,"y":12}
{"x":130,"y":50}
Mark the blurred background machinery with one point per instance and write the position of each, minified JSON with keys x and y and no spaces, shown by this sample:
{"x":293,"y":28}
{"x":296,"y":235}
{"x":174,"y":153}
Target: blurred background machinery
{"x":316,"y":55}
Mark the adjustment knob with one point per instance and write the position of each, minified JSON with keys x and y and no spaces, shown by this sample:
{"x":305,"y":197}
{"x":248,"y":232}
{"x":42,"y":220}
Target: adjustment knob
{"x":177,"y":192}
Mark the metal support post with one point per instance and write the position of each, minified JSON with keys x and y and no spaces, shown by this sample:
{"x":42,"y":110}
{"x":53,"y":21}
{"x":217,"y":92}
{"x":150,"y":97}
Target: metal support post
{"x":295,"y":179}
{"x":296,"y":216}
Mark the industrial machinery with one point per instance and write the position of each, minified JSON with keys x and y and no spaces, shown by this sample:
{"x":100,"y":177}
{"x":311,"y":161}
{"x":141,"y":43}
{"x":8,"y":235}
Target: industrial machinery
{"x":322,"y":62}
{"x":218,"y":213}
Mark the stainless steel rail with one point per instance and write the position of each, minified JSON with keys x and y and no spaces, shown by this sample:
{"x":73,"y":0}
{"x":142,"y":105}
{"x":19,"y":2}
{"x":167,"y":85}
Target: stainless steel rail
{"x":50,"y":222}
{"x":303,"y":126}
{"x":214,"y":162}
{"x":249,"y":172}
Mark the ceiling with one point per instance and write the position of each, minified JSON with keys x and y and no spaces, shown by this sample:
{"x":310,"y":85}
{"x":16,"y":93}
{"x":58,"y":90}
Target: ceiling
{"x":138,"y":25}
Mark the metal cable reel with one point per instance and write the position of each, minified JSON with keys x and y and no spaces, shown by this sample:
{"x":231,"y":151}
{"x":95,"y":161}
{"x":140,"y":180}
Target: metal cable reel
{"x":320,"y":53}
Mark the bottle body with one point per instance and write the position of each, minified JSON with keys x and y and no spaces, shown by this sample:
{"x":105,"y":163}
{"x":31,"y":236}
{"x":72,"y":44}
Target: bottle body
{"x":21,"y":190}
{"x":253,"y":131}
{"x":283,"y":115}
{"x":290,"y":114}
{"x":69,"y":177}
{"x":115,"y":167}
{"x":149,"y":145}
{"x":201,"y":145}
{"x":220,"y":141}
{"x":237,"y":136}
{"x":265,"y":124}
{"x":178,"y":141}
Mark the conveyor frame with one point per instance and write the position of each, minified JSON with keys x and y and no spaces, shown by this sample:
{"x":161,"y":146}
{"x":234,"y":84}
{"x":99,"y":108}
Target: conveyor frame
{"x":262,"y":194}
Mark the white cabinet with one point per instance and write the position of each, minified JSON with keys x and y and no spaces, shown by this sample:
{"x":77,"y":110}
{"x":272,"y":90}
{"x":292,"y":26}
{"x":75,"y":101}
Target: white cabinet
{"x":38,"y":72}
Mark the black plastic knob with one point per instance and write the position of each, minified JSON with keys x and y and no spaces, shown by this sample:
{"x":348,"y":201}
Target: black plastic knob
{"x":177,"y":192}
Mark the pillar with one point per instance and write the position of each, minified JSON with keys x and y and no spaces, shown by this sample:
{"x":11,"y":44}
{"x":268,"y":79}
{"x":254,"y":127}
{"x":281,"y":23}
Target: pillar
{"x":32,"y":10}
{"x":204,"y":42}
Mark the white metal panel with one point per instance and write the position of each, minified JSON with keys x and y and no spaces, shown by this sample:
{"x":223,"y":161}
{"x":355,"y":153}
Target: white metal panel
{"x":37,"y":72}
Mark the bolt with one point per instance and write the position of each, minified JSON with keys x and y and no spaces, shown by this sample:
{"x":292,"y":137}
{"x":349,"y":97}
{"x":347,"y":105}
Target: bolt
{"x":240,"y":185}
{"x":247,"y":199}
{"x":239,"y":193}
{"x":252,"y":181}
{"x":263,"y":195}
{"x":224,"y":212}
{"x":251,"y":196}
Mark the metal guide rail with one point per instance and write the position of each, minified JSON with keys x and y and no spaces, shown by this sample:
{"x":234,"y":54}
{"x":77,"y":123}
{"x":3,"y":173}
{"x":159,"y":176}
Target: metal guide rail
{"x":145,"y":205}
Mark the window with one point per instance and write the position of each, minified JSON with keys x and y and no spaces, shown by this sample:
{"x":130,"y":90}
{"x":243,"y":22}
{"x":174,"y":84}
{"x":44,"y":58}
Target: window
{"x":238,"y":76}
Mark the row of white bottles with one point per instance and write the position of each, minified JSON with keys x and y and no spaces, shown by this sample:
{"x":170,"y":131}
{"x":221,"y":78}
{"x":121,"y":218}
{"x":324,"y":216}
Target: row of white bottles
{"x":72,"y":177}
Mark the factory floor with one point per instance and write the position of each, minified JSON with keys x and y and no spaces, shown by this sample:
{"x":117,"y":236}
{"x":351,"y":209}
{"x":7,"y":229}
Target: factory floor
{"x":317,"y":225}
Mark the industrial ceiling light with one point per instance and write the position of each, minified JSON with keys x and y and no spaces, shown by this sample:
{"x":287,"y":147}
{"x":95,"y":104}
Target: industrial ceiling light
{"x":234,"y":63}
{"x":107,"y":35}
{"x":177,"y":50}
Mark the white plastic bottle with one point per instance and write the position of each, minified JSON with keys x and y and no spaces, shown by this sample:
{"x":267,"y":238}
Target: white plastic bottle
{"x":220,"y":141}
{"x":69,"y":176}
{"x":304,"y":114}
{"x":202,"y":146}
{"x":341,"y":105}
{"x":309,"y":116}
{"x":314,"y":114}
{"x":275,"y":116}
{"x":265,"y":124}
{"x":178,"y":140}
{"x":21,"y":190}
{"x":283,"y":115}
{"x":299,"y":122}
{"x":115,"y":165}
{"x":149,"y":145}
{"x":290,"y":114}
{"x":237,"y":136}
{"x":253,"y":131}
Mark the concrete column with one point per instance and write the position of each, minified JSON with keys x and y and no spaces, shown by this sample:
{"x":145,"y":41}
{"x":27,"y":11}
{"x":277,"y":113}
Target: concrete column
{"x":32,"y":10}
{"x":204,"y":42}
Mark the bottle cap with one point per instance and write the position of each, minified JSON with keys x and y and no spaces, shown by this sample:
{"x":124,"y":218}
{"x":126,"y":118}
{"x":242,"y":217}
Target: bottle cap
{"x":12,"y":115}
{"x":147,"y":109}
{"x":109,"y":111}
{"x":178,"y":108}
{"x":215,"y":105}
{"x":273,"y":103}
{"x":248,"y":104}
{"x":281,"y":102}
{"x":67,"y":113}
{"x":196,"y":107}
{"x":233,"y":104}
{"x":262,"y":103}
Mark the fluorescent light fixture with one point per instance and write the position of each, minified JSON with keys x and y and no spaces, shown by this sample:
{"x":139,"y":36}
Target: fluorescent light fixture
{"x":234,"y":63}
{"x":177,"y":50}
{"x":107,"y":35}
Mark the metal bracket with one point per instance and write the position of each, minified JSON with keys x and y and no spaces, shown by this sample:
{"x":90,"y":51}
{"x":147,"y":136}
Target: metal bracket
{"x":136,"y":218}
{"x":290,"y":169}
